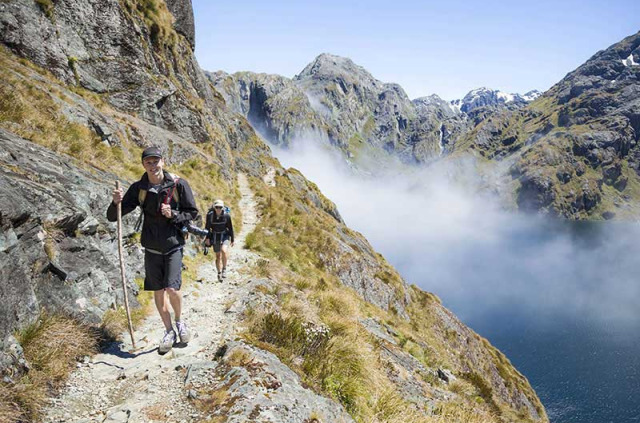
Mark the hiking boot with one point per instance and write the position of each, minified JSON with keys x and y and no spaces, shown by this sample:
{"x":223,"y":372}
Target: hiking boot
{"x":167,"y":342}
{"x":183,"y":332}
{"x":219,"y":276}
{"x":224,"y":272}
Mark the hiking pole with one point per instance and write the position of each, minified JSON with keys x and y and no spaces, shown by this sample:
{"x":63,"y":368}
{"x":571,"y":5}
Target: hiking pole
{"x":124,"y":280}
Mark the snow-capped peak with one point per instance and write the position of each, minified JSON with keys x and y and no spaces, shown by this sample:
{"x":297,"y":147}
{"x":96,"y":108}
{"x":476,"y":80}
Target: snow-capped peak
{"x":486,"y":97}
{"x":504,"y":96}
{"x":531,"y":95}
{"x":629,"y":61}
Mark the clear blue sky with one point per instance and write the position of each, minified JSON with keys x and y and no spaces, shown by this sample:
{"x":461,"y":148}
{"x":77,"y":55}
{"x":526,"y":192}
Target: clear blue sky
{"x":447,"y":47}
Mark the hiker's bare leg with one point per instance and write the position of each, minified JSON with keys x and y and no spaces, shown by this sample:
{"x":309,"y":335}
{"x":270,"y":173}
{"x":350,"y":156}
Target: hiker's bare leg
{"x":219,"y":261}
{"x":162,"y":306}
{"x":224,"y":249}
{"x":175,"y":298}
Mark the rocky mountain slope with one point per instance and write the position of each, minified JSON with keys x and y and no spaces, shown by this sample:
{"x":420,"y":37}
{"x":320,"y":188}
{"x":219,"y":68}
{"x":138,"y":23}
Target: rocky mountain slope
{"x":573,"y":152}
{"x":335,"y":100}
{"x":85,"y":85}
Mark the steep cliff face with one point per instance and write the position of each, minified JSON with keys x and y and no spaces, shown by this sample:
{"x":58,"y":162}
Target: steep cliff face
{"x":575,"y":148}
{"x":86,"y":84}
{"x":276,"y":107}
{"x":128,"y":53}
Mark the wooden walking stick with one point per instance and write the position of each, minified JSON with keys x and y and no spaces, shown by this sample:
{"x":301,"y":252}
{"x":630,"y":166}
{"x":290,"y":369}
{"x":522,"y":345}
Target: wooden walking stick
{"x":124,"y":279}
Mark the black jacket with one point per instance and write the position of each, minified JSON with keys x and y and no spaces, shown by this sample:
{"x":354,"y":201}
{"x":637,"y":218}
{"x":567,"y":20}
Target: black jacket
{"x":219,"y":224}
{"x":158,"y":232}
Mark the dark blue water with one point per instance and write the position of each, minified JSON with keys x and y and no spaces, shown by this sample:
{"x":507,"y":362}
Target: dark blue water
{"x":583,"y":358}
{"x":560,"y":299}
{"x":580,"y":372}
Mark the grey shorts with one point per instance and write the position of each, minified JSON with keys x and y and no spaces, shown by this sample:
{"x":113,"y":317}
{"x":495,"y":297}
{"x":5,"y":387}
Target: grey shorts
{"x":218,"y":245}
{"x":162,"y":271}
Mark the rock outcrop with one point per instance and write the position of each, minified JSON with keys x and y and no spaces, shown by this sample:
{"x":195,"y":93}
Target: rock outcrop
{"x":57,"y":253}
{"x":182,"y":11}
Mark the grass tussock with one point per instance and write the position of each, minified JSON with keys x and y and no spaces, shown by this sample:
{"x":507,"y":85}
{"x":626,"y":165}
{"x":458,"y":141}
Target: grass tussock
{"x":158,"y":19}
{"x":455,"y":412}
{"x":47,"y":7}
{"x":52,"y":346}
{"x":329,"y":362}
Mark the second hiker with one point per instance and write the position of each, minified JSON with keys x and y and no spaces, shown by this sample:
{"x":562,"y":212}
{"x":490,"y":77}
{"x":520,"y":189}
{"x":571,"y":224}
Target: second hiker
{"x":220,"y":235}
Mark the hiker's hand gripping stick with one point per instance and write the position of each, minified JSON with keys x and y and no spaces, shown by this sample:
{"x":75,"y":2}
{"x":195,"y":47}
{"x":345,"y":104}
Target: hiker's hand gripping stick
{"x":117,"y":196}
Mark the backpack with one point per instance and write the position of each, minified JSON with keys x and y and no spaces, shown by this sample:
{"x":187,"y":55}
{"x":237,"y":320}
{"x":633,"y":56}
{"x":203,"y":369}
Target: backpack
{"x":225,"y":210}
{"x":142,"y":194}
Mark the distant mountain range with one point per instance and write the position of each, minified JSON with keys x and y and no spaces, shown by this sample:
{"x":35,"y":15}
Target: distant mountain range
{"x":569,"y":152}
{"x":335,"y":100}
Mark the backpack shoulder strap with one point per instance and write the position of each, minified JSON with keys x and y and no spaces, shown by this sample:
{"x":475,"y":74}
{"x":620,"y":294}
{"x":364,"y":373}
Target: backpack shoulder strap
{"x":142,"y":195}
{"x":176,"y":195}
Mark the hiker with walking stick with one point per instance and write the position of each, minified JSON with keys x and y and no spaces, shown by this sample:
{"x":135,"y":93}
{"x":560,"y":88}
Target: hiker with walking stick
{"x":167,"y":205}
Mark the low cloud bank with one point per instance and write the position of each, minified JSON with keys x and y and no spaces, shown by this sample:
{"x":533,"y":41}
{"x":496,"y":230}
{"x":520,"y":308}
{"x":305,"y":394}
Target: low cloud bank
{"x":448,"y":237}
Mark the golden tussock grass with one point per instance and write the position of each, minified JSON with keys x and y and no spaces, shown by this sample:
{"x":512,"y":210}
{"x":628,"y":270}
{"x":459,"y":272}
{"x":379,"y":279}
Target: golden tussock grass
{"x":51,"y":345}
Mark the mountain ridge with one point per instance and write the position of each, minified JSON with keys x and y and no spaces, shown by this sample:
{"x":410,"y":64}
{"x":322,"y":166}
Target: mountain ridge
{"x":347,"y":107}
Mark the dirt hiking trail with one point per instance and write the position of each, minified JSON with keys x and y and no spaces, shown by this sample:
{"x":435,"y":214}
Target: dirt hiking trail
{"x":122,"y":386}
